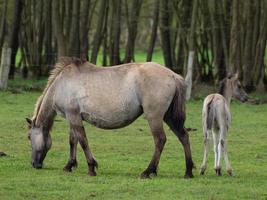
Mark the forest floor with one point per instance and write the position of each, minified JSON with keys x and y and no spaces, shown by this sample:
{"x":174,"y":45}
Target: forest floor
{"x":123,"y":154}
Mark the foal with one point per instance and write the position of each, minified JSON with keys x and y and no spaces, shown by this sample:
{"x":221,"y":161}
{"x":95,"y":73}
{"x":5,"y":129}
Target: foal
{"x":216,"y":118}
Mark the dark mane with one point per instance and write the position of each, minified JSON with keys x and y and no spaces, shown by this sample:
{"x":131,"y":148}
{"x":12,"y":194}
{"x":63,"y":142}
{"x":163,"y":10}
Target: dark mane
{"x":222,"y":84}
{"x":222,"y":87}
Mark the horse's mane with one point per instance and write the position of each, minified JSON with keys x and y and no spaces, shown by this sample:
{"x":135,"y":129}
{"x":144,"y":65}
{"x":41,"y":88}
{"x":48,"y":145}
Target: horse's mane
{"x":59,"y":67}
{"x":222,"y":84}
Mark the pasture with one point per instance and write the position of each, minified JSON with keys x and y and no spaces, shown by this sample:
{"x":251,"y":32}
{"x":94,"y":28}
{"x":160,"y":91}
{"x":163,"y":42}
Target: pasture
{"x":123,"y":154}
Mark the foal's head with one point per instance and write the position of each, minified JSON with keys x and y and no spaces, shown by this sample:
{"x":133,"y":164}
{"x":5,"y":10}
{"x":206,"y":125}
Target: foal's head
{"x":41,"y":142}
{"x":232,"y":86}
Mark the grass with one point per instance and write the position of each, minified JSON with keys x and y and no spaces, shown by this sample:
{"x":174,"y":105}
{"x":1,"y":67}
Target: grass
{"x":122,"y":154}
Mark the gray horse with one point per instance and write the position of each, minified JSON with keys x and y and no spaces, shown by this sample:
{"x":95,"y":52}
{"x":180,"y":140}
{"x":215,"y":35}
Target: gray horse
{"x":216,"y":118}
{"x":109,"y":98}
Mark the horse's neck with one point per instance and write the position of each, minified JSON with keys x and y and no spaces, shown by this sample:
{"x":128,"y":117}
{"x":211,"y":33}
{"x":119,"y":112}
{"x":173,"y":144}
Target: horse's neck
{"x":227,"y":94}
{"x":46,"y":113}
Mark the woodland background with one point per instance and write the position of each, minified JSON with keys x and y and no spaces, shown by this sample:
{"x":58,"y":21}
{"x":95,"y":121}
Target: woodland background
{"x":223,"y":36}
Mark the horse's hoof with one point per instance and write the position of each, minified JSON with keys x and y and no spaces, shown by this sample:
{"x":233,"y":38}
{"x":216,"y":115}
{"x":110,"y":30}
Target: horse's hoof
{"x":145,"y":176}
{"x":230,"y":172}
{"x":67,"y":169}
{"x":218,"y":171}
{"x":2,"y":154}
{"x":90,"y":173}
{"x":70,"y":166}
{"x":187,"y":176}
{"x":202,"y":170}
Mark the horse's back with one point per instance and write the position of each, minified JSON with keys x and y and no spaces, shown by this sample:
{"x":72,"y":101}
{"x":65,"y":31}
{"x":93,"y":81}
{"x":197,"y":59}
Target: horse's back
{"x":215,"y":111}
{"x":113,"y":97}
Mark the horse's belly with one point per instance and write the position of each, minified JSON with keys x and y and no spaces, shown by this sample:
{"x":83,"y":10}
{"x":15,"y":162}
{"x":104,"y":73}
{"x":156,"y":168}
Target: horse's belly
{"x":111,"y":114}
{"x":118,"y":120}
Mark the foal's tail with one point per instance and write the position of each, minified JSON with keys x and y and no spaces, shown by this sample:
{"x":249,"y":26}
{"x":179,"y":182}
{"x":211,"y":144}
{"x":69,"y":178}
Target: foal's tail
{"x":175,"y":115}
{"x":208,"y":115}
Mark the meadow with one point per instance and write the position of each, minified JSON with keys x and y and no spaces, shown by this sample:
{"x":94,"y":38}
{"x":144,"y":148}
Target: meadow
{"x":123,"y":154}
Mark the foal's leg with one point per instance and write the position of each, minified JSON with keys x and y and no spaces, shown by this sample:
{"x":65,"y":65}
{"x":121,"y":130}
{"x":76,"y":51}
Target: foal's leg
{"x":206,"y":148}
{"x":156,"y":126}
{"x":72,"y":163}
{"x":217,"y":167}
{"x":223,"y":149}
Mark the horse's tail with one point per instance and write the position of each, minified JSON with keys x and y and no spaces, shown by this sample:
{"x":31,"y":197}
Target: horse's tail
{"x":175,"y":115}
{"x":210,"y":117}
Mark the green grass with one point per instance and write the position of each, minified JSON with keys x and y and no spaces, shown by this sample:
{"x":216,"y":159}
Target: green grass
{"x":122,"y":155}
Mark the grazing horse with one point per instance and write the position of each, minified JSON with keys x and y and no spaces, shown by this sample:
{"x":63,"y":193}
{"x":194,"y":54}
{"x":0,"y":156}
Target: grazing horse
{"x":109,"y":98}
{"x":216,"y":117}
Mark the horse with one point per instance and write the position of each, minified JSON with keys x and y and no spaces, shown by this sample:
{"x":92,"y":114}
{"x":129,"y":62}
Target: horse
{"x":109,"y":98}
{"x":216,"y":118}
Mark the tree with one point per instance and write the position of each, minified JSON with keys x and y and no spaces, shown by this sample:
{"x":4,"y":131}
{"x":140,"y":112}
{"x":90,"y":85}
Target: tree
{"x":154,"y":29}
{"x":14,"y":36}
{"x":115,"y":32}
{"x":3,"y":23}
{"x":191,"y":55}
{"x":132,"y":23}
{"x":99,"y":33}
{"x":165,"y":33}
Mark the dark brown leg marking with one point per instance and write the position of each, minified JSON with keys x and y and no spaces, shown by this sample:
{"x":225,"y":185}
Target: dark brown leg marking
{"x":72,"y":163}
{"x":92,"y":164}
{"x":159,"y":140}
{"x":184,"y":139}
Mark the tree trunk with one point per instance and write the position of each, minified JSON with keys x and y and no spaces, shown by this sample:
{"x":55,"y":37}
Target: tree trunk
{"x":191,"y":55}
{"x":99,"y":31}
{"x":14,"y":37}
{"x":74,"y":40}
{"x":84,"y":28}
{"x":235,"y":41}
{"x":132,"y":30}
{"x":58,"y":28}
{"x":217,"y":46}
{"x":153,"y":36}
{"x":49,"y":58}
{"x":105,"y":38}
{"x":261,"y":45}
{"x":247,"y":61}
{"x":3,"y":24}
{"x":165,"y":33}
{"x":115,"y":31}
{"x":4,"y":67}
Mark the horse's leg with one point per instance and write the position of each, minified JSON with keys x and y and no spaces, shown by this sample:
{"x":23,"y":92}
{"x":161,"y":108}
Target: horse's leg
{"x":92,"y":164}
{"x":216,"y":156}
{"x":223,"y":149}
{"x":184,"y":139}
{"x":72,"y":163}
{"x":206,"y":148}
{"x":226,"y":160}
{"x":159,"y":136}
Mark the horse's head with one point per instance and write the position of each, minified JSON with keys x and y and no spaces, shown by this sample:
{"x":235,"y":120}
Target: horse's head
{"x":237,"y":89}
{"x":41,"y":142}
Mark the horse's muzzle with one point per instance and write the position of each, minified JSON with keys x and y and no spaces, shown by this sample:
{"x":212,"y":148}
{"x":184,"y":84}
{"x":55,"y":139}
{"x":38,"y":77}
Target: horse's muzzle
{"x":245,"y":99}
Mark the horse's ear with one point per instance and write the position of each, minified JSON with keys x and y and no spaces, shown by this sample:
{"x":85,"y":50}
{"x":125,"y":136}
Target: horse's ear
{"x":236,"y":75}
{"x":229,"y":75}
{"x":29,"y":121}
